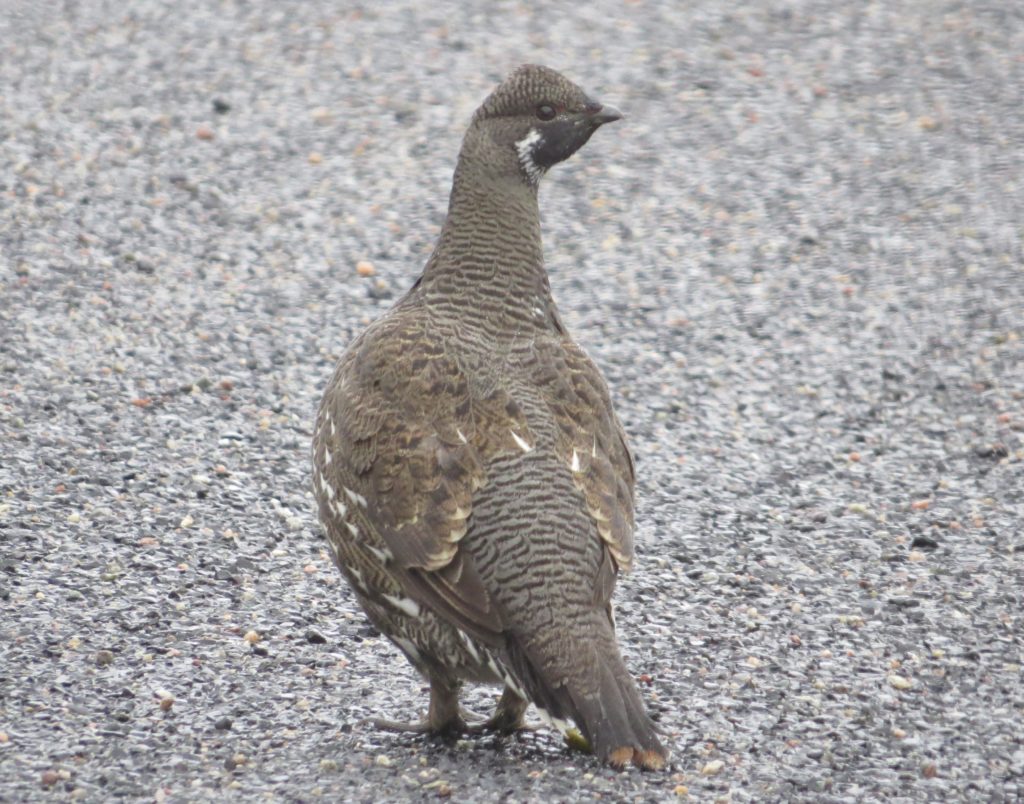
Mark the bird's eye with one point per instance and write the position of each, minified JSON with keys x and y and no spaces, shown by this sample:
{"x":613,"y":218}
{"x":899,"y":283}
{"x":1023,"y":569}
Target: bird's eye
{"x":546,"y":112}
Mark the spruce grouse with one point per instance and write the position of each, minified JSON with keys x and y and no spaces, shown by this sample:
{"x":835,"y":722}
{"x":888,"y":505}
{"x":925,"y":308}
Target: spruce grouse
{"x":472,"y":477}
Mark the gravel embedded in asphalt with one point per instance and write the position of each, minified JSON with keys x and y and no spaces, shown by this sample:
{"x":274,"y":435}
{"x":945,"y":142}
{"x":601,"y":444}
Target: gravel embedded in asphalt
{"x":798,"y":261}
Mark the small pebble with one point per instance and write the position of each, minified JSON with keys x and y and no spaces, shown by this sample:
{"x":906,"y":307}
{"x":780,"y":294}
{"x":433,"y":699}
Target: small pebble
{"x":712,"y":768}
{"x":439,"y":787}
{"x":321,"y":115}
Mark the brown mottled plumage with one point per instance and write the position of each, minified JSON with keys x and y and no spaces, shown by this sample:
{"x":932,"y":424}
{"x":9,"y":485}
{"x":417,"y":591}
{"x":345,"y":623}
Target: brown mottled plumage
{"x":472,"y":477}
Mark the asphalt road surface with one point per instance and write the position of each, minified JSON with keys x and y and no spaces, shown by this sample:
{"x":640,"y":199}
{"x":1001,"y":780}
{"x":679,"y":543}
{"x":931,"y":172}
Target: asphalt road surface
{"x":798,"y":261}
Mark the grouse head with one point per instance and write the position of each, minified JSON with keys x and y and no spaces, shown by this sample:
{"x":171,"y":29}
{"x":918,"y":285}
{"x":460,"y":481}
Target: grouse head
{"x":534,"y":119}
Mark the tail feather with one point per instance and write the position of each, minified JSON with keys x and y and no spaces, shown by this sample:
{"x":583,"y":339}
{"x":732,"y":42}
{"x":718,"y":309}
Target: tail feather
{"x":614,"y":721}
{"x":603,"y":701}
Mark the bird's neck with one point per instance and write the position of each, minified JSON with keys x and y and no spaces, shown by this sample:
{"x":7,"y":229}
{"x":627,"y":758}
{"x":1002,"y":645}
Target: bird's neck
{"x":488,"y":265}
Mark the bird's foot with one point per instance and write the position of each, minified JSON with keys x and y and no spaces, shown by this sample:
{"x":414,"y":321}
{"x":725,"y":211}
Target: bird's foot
{"x":451,"y":726}
{"x":499,"y":723}
{"x":447,"y":718}
{"x":507,"y":718}
{"x":444,"y":717}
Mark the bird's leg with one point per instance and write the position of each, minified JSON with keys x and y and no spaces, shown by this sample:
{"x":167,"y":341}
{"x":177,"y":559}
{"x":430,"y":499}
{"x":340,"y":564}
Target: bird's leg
{"x":507,"y":717}
{"x":442,"y":718}
{"x":447,"y":717}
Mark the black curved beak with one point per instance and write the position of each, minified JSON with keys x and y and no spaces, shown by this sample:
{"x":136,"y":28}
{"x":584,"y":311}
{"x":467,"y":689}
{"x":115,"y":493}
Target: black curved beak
{"x":604,"y":114}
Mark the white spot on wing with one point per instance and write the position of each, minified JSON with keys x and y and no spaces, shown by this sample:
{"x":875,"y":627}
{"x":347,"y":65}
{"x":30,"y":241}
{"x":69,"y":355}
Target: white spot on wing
{"x":469,"y":646}
{"x":575,"y":465}
{"x":522,"y":444}
{"x":355,"y":496}
{"x":462,"y":438}
{"x":500,"y":671}
{"x":457,"y":533}
{"x":327,"y":456}
{"x":512,"y":684}
{"x":352,"y":529}
{"x":383,"y":556}
{"x":406,"y":604}
{"x":339,"y":508}
{"x":324,"y":487}
{"x":407,"y":646}
{"x":525,"y":148}
{"x":551,"y":720}
{"x":357,"y":579}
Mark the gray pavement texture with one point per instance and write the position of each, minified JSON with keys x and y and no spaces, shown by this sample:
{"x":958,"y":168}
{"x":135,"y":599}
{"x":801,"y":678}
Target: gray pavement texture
{"x":799,"y":263}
